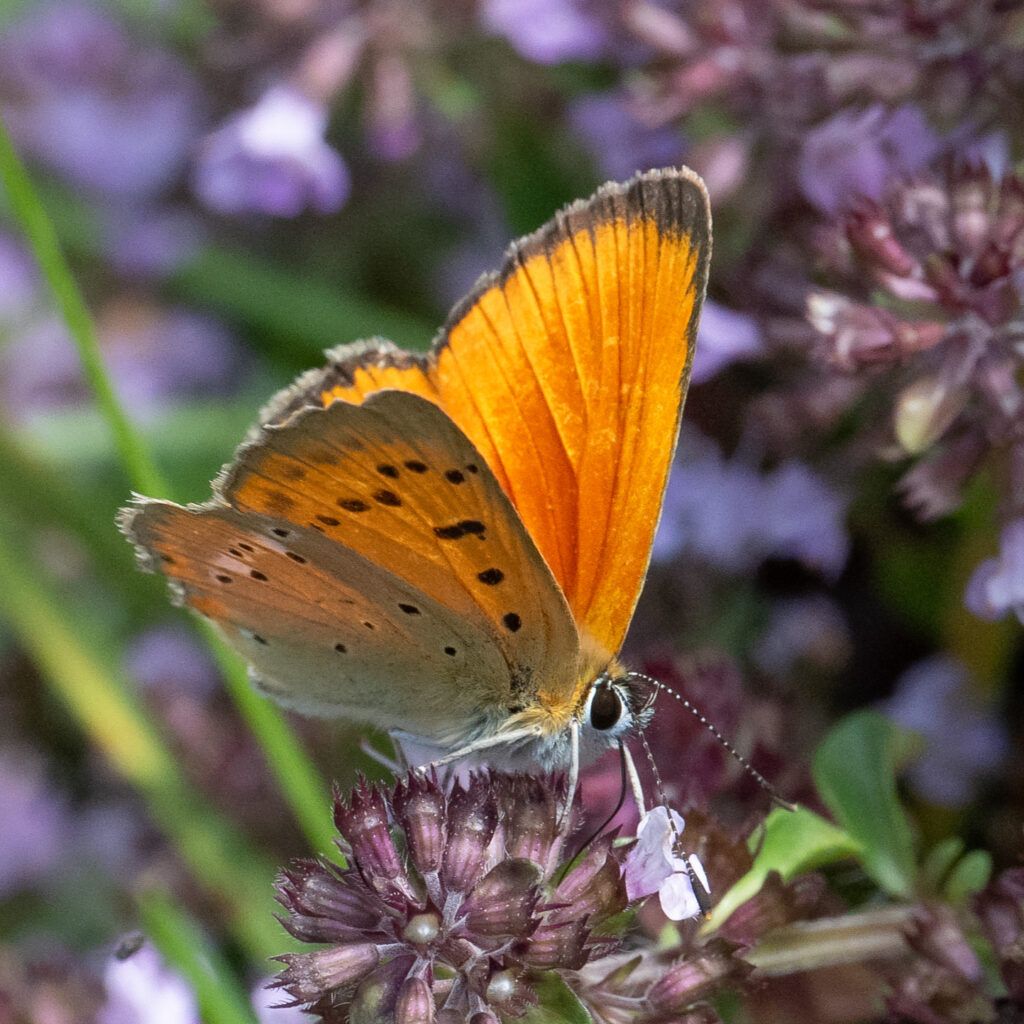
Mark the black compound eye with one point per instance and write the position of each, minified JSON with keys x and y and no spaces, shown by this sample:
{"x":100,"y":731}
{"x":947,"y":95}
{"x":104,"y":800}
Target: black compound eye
{"x":605,"y":708}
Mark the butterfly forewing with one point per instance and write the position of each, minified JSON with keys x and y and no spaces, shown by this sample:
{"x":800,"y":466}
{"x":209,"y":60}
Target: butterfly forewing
{"x":383,"y":514}
{"x":568,"y":371}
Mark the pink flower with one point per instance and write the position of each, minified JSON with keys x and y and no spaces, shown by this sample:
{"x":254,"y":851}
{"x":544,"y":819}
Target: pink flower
{"x":653,"y":867}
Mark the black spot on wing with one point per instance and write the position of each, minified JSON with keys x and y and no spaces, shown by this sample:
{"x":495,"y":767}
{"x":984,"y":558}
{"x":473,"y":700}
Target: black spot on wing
{"x":353,"y":505}
{"x":512,"y":621}
{"x":388,"y":498}
{"x":415,"y":466}
{"x":492,"y":577}
{"x":391,"y":472}
{"x":295,"y":557}
{"x":463,"y":528}
{"x":455,"y":476}
{"x":257,"y":575}
{"x":329,"y":520}
{"x":409,"y":609}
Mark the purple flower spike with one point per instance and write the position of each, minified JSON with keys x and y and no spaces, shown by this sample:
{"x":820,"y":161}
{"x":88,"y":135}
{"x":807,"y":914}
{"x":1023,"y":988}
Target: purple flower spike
{"x":272,"y":159}
{"x":472,"y":819}
{"x":310,"y":974}
{"x":997,"y":586}
{"x":364,"y":822}
{"x":531,"y":825}
{"x":415,"y":1003}
{"x":593,"y":888}
{"x":419,"y":808}
{"x":689,"y":980}
{"x":562,"y":946}
{"x":503,"y":901}
{"x":452,"y":943}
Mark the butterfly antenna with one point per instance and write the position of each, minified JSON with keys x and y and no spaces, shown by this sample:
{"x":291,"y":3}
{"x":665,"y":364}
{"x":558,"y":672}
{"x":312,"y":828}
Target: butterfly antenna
{"x":700,"y":891}
{"x":772,"y":792}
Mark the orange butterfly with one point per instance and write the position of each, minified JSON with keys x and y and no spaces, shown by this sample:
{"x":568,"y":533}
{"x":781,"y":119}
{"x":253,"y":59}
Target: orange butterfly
{"x":451,"y":546}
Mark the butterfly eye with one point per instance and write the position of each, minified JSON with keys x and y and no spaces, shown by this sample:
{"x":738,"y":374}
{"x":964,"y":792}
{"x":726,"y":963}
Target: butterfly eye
{"x":605,"y":708}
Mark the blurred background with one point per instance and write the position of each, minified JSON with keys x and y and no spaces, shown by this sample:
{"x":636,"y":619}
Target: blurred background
{"x":241,"y":184}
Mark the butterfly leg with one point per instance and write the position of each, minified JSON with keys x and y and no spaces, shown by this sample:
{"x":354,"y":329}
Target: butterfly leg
{"x":393,"y":765}
{"x":485,"y":743}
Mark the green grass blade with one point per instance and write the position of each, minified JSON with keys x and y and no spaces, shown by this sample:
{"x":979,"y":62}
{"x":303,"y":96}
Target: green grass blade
{"x":182,"y":944}
{"x":294,"y":772}
{"x":39,"y":231}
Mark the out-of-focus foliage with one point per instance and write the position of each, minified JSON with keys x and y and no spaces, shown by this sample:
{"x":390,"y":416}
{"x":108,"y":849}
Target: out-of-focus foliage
{"x":838,"y":578}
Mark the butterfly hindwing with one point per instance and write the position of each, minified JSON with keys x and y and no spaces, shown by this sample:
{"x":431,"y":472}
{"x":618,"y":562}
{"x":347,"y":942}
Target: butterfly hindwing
{"x":382,"y":513}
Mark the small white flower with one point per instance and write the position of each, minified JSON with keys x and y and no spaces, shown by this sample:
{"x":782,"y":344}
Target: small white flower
{"x":652,"y":866}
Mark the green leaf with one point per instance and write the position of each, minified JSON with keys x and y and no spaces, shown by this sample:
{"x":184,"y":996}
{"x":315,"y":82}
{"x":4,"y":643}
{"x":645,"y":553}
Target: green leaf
{"x":938,"y":863}
{"x":558,"y":1004}
{"x":792,"y":842}
{"x":970,"y":876}
{"x":855,"y":771}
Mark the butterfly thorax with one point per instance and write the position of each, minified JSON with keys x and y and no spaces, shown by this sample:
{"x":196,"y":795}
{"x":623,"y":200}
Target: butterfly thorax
{"x":559,"y":703}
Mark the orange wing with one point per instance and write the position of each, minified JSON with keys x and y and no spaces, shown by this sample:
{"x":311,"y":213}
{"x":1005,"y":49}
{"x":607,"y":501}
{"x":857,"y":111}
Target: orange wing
{"x":568,"y":370}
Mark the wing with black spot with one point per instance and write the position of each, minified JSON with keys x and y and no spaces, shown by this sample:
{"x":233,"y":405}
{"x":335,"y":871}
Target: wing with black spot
{"x":382,"y":513}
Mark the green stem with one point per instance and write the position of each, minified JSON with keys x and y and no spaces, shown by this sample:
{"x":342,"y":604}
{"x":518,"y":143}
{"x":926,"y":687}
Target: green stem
{"x":296,"y":774}
{"x":109,"y":712}
{"x":38,"y":228}
{"x":181,"y":943}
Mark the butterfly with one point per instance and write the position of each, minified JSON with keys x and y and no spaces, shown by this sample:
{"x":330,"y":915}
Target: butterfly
{"x":450,"y":546}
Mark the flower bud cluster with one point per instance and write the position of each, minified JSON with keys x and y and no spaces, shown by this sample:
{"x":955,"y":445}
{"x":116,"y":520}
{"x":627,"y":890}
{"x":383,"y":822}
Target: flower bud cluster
{"x":453,"y":902}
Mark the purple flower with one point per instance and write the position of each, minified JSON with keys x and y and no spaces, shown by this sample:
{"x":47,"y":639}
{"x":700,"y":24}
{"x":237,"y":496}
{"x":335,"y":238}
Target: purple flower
{"x":142,"y":990}
{"x":965,"y":742}
{"x":620,"y":143}
{"x":468,"y":913}
{"x":146,"y":243}
{"x":154,"y":356}
{"x":803,"y":519}
{"x":106,"y":111}
{"x":169,"y":657}
{"x":547,"y":31}
{"x":272,"y":159}
{"x":652,"y":866}
{"x":19,"y":280}
{"x":804,"y":633}
{"x":37,"y":830}
{"x":729,"y":514}
{"x":724,"y":337}
{"x":856,"y":153}
{"x":997,"y":585}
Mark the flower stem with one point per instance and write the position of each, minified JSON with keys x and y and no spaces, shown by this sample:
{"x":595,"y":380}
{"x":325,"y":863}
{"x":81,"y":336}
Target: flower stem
{"x":39,"y":231}
{"x":295,"y":772}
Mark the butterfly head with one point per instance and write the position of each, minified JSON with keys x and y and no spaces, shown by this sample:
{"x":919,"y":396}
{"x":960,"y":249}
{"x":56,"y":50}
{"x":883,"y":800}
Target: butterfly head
{"x":616,"y":705}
